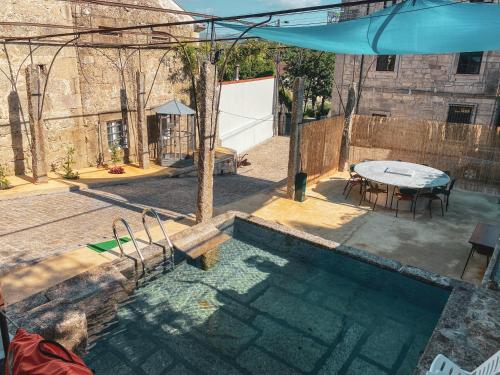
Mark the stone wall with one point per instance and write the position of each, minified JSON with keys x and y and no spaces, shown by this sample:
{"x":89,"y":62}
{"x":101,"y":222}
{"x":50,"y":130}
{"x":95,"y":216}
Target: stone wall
{"x":86,"y":86}
{"x":421,"y":86}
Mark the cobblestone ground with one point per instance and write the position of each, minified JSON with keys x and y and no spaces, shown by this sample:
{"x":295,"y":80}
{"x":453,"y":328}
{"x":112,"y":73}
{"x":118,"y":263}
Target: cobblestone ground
{"x":39,"y":226}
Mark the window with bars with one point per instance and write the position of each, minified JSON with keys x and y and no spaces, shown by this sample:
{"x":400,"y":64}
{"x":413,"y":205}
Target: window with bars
{"x":460,"y":114}
{"x":386,"y":63}
{"x":469,"y":63}
{"x":117,"y":134}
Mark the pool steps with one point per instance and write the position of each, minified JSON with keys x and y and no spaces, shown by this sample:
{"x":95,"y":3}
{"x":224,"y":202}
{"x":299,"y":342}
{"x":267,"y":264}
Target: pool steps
{"x":131,"y":234}
{"x":145,"y":212}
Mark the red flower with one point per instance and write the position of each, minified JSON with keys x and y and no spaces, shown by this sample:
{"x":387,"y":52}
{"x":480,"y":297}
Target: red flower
{"x":116,"y":170}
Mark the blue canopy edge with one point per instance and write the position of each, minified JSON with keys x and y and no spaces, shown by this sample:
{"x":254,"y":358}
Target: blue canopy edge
{"x":411,"y":27}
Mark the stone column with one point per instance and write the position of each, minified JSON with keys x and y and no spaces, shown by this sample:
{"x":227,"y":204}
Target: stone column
{"x":295,"y":130}
{"x":206,"y":155}
{"x":142,"y":129}
{"x":35,"y":82}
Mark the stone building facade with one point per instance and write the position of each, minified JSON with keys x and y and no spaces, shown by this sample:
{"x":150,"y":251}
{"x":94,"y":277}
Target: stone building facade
{"x":91,"y":93}
{"x":460,"y":88}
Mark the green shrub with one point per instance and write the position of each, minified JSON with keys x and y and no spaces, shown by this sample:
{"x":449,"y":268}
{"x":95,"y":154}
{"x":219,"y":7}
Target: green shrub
{"x":116,"y":156}
{"x":67,"y":165}
{"x":4,"y":182}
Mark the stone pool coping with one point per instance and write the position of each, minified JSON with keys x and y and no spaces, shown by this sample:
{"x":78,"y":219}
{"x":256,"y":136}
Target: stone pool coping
{"x":491,"y":277}
{"x":76,"y":310}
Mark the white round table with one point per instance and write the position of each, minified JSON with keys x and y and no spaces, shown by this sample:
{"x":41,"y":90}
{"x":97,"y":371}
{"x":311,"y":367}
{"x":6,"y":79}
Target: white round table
{"x":402,"y":174}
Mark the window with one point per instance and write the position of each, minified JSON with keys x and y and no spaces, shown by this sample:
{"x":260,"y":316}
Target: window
{"x":461,"y":114}
{"x":469,"y":63}
{"x":117,"y":133}
{"x":386,"y":63}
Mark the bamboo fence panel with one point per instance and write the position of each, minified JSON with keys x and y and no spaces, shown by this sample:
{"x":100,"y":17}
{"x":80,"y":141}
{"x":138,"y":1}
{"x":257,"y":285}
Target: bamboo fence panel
{"x":470,"y":153}
{"x":320,"y":147}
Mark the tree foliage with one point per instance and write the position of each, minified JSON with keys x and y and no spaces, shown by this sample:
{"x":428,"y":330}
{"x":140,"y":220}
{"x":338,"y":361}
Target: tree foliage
{"x":254,"y":58}
{"x":317,"y":69}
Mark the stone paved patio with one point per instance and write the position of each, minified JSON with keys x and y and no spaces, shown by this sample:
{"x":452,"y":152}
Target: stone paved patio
{"x":44,"y":225}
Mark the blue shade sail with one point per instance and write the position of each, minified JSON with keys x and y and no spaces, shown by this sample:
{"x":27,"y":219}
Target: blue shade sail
{"x":410,"y":27}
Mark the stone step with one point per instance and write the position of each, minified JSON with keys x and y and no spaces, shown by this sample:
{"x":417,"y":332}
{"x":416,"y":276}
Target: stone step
{"x":207,"y":246}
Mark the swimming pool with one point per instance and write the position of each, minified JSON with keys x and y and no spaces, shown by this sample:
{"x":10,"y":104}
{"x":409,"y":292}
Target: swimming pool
{"x":272,"y":305}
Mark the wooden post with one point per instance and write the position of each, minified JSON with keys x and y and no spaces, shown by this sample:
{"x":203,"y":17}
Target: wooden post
{"x":125,"y":122}
{"x":142,"y":130}
{"x":295,"y":129}
{"x":34,"y":84}
{"x":206,"y":155}
{"x":282,"y":111}
{"x":350,"y":108}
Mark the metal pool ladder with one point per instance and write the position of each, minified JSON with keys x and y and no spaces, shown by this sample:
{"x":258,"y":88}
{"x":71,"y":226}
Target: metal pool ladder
{"x":150,"y":237}
{"x":131,"y":234}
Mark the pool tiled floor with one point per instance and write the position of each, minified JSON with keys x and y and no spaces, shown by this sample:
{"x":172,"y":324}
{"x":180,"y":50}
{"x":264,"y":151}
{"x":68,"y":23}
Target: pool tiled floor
{"x":261,"y":311}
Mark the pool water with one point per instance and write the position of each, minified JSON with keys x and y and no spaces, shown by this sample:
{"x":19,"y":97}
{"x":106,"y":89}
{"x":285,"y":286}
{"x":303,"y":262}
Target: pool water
{"x":271,"y":305}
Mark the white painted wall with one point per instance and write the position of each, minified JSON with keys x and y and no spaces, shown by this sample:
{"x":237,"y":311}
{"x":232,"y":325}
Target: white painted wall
{"x":246,"y":113}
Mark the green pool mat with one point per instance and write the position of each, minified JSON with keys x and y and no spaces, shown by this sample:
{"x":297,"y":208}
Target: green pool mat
{"x":102,"y":247}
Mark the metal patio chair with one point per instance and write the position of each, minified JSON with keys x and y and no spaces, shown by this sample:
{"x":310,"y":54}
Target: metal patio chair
{"x":354,"y":180}
{"x":444,"y":366}
{"x":374,"y":188}
{"x":445,"y":191}
{"x":404,"y":194}
{"x":431,"y":196}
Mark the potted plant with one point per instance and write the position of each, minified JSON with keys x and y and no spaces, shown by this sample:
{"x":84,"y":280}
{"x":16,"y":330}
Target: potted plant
{"x":116,"y":158}
{"x":4,"y":182}
{"x":67,"y":165}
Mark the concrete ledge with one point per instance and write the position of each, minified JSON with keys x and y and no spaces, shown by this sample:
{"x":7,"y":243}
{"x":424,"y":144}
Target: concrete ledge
{"x":468,"y":331}
{"x":60,"y":321}
{"x":75,"y":309}
{"x":491,"y":279}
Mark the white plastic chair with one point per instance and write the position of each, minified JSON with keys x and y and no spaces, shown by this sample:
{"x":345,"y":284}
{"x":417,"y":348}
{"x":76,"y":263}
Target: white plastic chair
{"x":443,"y":366}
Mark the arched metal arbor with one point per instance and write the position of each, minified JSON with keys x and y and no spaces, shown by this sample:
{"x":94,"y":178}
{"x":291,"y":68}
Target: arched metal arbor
{"x":177,"y":132}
